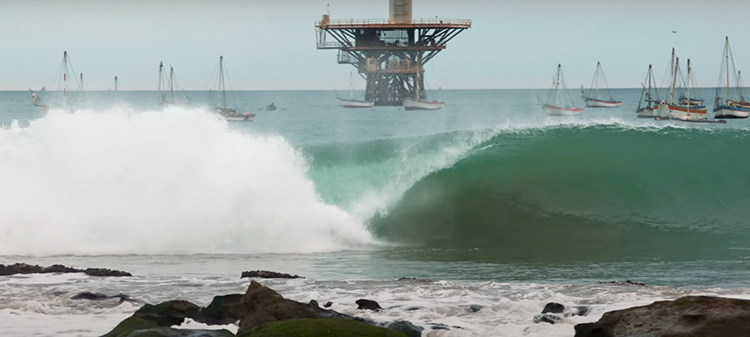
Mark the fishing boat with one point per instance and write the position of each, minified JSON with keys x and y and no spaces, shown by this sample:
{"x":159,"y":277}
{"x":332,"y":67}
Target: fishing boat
{"x":653,"y":105}
{"x":63,"y":84}
{"x":419,"y":102}
{"x":166,"y":87}
{"x":219,"y":99}
{"x":686,"y":108}
{"x":556,"y":107}
{"x":592,"y":96}
{"x":729,"y":106}
{"x":351,"y":103}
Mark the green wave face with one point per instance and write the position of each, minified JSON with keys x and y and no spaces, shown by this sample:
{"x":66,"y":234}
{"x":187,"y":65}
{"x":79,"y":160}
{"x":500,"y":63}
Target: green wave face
{"x":584,"y":193}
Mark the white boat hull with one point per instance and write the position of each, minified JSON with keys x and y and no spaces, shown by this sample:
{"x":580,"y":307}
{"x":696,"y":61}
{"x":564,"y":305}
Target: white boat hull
{"x":248,"y":117}
{"x":554,"y":110}
{"x":646,"y":113}
{"x":413,"y":104}
{"x":357,"y":104}
{"x":731,"y":113}
{"x":595,"y":103}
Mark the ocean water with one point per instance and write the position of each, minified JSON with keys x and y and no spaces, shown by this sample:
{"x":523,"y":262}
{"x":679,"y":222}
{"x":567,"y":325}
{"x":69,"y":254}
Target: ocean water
{"x":486,"y":202}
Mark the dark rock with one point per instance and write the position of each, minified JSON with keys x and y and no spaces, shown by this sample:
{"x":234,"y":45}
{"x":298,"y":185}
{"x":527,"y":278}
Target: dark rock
{"x":547,"y":318}
{"x":553,"y":308}
{"x":577,"y":311}
{"x":23,"y":268}
{"x":319,"y":327}
{"x":267,"y":274}
{"x":693,"y":316}
{"x":222,"y":310}
{"x":474,"y":308}
{"x":439,"y":326}
{"x":328,"y":304}
{"x":364,"y":304}
{"x":105,"y":272}
{"x":89,"y":296}
{"x":168,"y":313}
{"x":626,"y":283}
{"x":413,"y":309}
{"x":406,"y":328}
{"x":261,"y":305}
{"x":135,"y":326}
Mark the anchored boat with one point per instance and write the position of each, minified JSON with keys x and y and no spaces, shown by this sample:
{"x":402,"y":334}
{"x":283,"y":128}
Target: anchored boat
{"x":593,"y":99}
{"x":556,"y":107}
{"x":729,"y":106}
{"x":351,"y":103}
{"x":418,"y":102}
{"x":654,"y":107}
{"x":218,"y":98}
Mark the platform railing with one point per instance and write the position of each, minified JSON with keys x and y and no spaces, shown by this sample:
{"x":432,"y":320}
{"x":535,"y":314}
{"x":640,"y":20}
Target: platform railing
{"x":436,"y":21}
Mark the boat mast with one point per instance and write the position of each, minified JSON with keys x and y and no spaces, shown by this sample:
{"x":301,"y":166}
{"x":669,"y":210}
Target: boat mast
{"x":171,"y":83}
{"x":221,"y":82}
{"x":726,"y":56}
{"x":115,"y":83}
{"x":81,"y":81}
{"x":351,"y":86}
{"x":557,"y":85}
{"x":161,"y":77}
{"x":688,"y":87}
{"x":675,"y":65}
{"x":65,"y":74}
{"x":649,"y":79}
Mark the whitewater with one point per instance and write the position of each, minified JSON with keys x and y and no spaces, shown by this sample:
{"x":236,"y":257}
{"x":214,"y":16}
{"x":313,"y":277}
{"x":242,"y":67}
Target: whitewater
{"x":505,"y":209}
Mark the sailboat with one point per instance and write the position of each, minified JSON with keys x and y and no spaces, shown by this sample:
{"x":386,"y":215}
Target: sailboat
{"x":63,"y":84}
{"x":219,"y":100}
{"x":687,"y":108}
{"x":352,"y":103}
{"x":592,"y":98}
{"x":653,"y":106}
{"x":167,"y":86}
{"x":726,"y":107}
{"x":419,"y":102}
{"x":556,"y":107}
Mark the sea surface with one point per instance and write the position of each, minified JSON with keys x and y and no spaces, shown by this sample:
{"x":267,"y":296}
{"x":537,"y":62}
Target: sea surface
{"x":486,"y":202}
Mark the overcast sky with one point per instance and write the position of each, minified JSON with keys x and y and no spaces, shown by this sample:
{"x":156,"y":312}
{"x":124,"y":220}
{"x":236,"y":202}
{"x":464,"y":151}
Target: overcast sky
{"x":270,"y":45}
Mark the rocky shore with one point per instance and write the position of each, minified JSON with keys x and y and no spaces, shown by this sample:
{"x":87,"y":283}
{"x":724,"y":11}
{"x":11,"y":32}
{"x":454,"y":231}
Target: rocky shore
{"x":23,"y":268}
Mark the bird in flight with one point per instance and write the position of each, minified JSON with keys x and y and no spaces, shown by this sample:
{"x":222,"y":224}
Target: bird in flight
{"x":674,"y":32}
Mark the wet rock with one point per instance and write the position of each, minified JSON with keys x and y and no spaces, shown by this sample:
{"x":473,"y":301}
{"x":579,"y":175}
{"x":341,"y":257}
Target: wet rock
{"x":168,"y":313}
{"x":23,"y":268}
{"x":328,"y":304}
{"x":625,"y":283}
{"x":267,"y":274}
{"x":319,"y":327}
{"x":547,"y":318}
{"x":406,"y":328}
{"x":89,"y":296}
{"x":474,"y":308}
{"x":261,"y":305}
{"x":413,"y":309}
{"x":365,"y":304}
{"x":439,"y":326}
{"x":553,"y":308}
{"x":222,"y":310}
{"x":135,"y":326}
{"x":577,"y":311}
{"x":693,"y":316}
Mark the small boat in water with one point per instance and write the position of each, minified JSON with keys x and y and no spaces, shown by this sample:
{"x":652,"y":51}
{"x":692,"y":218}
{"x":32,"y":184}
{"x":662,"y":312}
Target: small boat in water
{"x":730,"y":106}
{"x":219,"y":99}
{"x":419,"y":102}
{"x":351,"y":103}
{"x":651,"y":110}
{"x":686,"y":107}
{"x":555,"y":107}
{"x":592,"y":96}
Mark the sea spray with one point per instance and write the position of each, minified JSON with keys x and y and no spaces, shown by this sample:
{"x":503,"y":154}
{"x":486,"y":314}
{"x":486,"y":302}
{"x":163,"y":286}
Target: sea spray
{"x":159,"y":182}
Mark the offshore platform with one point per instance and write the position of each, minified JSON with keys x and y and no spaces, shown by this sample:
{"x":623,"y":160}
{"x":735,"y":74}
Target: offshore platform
{"x":389,"y":54}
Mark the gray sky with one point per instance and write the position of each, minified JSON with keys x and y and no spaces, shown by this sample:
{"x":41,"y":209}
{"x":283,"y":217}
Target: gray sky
{"x":270,"y":45}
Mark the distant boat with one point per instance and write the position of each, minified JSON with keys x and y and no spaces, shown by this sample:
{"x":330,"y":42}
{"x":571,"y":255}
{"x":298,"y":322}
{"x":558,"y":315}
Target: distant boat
{"x":685,"y":108}
{"x":592,"y":97}
{"x":352,"y":103}
{"x":64,"y":85}
{"x":220,"y":101}
{"x":729,"y":106}
{"x":653,"y":106}
{"x":556,"y":107}
{"x":419,"y":102}
{"x":166,"y":87}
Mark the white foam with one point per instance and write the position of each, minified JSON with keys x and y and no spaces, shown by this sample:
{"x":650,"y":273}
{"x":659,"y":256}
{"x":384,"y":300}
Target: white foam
{"x":175,"y":181}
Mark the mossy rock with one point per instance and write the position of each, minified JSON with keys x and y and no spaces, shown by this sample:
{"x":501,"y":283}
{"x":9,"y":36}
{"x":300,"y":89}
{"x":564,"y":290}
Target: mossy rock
{"x":129,"y":325}
{"x":320,"y":328}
